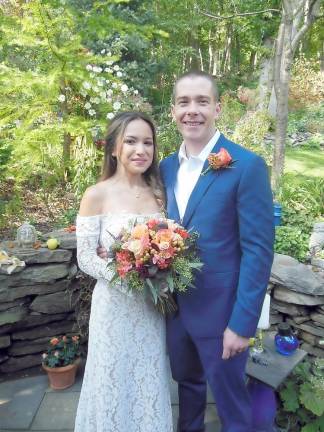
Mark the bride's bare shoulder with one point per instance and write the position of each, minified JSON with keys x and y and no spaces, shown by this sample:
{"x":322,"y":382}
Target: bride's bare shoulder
{"x":92,"y":200}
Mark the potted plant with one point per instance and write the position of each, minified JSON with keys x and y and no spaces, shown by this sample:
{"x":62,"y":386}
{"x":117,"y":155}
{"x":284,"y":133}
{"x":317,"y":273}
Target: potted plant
{"x":61,"y":360}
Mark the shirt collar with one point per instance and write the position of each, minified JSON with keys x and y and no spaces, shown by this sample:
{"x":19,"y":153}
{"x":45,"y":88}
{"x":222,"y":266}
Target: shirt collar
{"x":202,"y":156}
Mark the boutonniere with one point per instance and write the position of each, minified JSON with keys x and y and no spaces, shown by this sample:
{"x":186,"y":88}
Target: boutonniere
{"x":219,"y":160}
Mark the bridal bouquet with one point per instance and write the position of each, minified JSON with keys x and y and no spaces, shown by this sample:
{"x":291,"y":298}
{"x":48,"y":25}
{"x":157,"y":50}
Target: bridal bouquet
{"x":158,"y":258}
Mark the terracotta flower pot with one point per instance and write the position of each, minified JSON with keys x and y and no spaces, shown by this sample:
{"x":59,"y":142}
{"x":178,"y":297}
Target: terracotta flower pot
{"x":61,"y":377}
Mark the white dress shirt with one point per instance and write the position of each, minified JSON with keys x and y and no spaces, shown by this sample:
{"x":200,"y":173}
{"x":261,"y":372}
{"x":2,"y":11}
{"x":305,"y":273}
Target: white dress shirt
{"x":189,"y":171}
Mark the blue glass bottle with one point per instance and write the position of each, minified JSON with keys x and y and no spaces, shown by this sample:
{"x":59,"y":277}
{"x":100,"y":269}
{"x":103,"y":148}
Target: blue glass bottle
{"x":285,"y":341}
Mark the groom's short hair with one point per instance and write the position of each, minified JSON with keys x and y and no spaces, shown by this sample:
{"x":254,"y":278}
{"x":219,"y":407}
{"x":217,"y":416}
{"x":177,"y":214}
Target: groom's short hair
{"x":197,"y":74}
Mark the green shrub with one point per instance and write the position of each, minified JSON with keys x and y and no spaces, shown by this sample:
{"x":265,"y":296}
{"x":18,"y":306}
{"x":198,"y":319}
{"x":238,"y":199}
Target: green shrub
{"x":309,"y":119}
{"x":250,"y":132}
{"x":301,"y":399}
{"x":302,"y":200}
{"x":314,"y":143}
{"x":291,"y":241}
{"x":68,"y":217}
{"x":307,"y":82}
{"x":85,"y":167}
{"x":5,"y":156}
{"x":168,"y":137}
{"x":231,"y":112}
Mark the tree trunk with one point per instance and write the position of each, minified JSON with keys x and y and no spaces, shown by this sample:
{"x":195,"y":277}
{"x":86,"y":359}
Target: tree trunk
{"x":297,"y":17}
{"x":266,"y":77}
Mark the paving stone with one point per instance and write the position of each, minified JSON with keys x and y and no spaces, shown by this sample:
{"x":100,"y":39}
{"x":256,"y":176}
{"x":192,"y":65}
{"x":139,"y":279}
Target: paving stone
{"x":56,"y":412}
{"x":20,"y":401}
{"x":212,"y":423}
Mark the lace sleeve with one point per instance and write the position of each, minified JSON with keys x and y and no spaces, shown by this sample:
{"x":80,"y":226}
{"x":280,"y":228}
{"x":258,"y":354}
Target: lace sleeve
{"x":87,"y":233}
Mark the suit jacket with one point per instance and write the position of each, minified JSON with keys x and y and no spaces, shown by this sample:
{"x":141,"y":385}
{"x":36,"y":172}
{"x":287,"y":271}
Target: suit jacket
{"x":232,"y":210}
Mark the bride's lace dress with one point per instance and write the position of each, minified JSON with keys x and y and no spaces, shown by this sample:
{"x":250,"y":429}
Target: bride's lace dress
{"x":125,"y":386}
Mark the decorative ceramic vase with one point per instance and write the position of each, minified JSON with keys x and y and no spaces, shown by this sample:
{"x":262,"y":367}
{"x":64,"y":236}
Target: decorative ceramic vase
{"x":26,"y":235}
{"x":61,"y":377}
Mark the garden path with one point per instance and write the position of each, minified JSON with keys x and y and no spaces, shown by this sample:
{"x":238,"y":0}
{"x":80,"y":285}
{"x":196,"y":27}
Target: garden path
{"x":28,"y":404}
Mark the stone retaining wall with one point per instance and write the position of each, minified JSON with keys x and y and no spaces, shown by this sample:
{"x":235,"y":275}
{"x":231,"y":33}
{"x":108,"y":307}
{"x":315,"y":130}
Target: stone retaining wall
{"x":36,"y":301}
{"x":297,"y":297}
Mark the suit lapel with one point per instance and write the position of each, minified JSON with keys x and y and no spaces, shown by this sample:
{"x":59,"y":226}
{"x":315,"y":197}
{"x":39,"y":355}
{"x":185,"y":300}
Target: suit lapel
{"x":201,"y":186}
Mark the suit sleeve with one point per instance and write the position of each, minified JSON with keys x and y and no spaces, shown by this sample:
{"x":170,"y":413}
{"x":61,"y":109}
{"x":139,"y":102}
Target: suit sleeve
{"x":256,"y":231}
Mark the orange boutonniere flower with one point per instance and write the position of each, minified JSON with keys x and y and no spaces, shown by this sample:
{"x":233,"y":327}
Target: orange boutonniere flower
{"x":219,"y":160}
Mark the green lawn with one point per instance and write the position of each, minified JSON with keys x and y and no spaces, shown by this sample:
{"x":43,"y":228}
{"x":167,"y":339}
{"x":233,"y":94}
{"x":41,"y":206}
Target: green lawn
{"x":307,"y":162}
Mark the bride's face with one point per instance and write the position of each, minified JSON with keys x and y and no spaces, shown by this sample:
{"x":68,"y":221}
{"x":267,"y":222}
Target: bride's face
{"x":136,"y":150}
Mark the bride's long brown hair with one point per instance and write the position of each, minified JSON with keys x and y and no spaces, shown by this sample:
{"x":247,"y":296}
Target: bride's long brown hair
{"x":115,"y":134}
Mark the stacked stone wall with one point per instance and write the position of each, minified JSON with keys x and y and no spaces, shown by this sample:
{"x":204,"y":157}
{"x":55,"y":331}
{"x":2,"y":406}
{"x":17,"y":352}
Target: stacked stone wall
{"x":37,"y":301}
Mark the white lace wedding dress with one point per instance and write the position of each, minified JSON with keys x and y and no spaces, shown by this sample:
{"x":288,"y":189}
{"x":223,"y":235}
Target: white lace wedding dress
{"x":126,"y":382}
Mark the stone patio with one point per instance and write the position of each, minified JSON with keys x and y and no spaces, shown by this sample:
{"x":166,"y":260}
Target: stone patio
{"x":28,"y":404}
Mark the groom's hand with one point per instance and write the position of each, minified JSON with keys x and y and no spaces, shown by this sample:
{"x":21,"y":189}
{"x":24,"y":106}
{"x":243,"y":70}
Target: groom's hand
{"x":102,"y":253}
{"x":233,"y":344}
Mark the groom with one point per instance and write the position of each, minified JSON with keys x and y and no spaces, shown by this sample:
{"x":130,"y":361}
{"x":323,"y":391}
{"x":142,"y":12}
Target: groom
{"x":231,"y":208}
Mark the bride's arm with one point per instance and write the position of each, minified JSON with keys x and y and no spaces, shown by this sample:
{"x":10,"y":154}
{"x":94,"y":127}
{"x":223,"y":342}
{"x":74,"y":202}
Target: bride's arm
{"x":88,"y":232}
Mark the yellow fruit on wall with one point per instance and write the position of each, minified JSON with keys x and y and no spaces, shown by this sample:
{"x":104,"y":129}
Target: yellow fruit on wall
{"x":52,"y":243}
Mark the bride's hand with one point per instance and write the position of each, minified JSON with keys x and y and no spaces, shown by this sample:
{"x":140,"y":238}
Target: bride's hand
{"x":102,"y":253}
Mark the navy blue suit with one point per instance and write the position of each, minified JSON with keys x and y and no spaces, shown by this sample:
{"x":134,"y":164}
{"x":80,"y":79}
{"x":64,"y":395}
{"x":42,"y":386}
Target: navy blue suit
{"x":233,"y":212}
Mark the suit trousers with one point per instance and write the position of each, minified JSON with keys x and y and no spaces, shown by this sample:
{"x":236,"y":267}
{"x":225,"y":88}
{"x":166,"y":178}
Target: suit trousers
{"x":198,"y":360}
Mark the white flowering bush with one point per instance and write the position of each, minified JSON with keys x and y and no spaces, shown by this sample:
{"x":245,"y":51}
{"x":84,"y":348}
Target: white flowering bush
{"x":57,"y":92}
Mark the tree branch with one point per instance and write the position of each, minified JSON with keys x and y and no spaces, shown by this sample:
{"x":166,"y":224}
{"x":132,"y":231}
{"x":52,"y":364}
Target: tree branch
{"x":309,"y":20}
{"x":210,"y":15}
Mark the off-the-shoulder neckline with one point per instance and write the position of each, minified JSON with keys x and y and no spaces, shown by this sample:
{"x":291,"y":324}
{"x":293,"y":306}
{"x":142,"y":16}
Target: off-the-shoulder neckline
{"x":120,"y":214}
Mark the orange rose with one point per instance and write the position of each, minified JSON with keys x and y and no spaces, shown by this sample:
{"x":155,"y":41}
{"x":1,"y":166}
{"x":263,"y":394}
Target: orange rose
{"x":164,"y":235}
{"x":222,"y":159}
{"x":139,"y":231}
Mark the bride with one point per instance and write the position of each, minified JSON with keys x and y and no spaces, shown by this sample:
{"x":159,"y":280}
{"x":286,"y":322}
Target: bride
{"x":125,"y":386}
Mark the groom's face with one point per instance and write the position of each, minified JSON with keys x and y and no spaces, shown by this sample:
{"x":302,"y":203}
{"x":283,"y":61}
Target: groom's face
{"x":195,"y":109}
